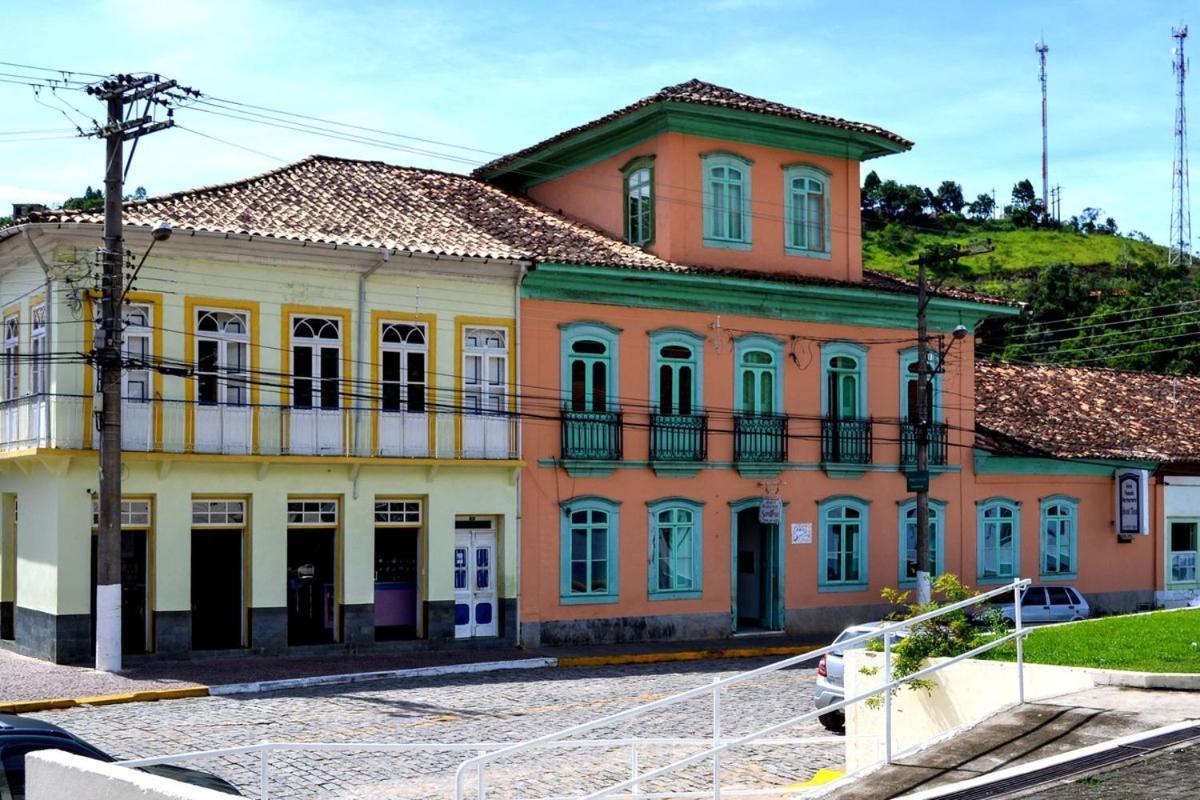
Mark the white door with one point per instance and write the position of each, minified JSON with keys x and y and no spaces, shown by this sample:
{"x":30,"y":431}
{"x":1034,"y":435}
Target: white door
{"x":315,"y":418}
{"x":485,"y":421}
{"x":475,"y":609}
{"x":223,"y":416}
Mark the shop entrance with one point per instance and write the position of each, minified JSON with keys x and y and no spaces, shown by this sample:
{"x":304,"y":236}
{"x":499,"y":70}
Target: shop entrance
{"x":757,"y":600}
{"x":135,"y":592}
{"x":311,"y":572}
{"x":217,"y":600}
{"x":396,"y":589}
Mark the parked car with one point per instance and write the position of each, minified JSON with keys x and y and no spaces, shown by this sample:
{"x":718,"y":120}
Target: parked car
{"x":1042,"y":604}
{"x":20,"y":736}
{"x":830,"y":688}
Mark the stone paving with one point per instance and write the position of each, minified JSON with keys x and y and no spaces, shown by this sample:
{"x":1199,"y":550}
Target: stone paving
{"x":489,"y":707}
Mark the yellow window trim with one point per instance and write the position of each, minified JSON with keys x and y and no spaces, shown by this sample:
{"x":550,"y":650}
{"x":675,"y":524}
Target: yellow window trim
{"x":378,"y":317}
{"x":461,"y":323}
{"x":190,"y":306}
{"x":155,"y":301}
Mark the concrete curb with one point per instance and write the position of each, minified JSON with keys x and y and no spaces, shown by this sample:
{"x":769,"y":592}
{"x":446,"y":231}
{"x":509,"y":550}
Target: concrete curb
{"x":29,"y":706}
{"x":683,"y":655}
{"x":256,"y":687}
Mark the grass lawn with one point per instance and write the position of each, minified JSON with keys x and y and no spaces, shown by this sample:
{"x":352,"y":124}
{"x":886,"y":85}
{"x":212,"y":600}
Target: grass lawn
{"x":1164,"y":641}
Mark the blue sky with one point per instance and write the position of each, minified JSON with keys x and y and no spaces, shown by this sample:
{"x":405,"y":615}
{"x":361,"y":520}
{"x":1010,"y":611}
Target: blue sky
{"x":960,"y":79}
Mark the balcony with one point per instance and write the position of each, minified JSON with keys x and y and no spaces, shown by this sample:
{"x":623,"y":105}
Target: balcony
{"x":760,"y":439}
{"x":845,"y":441}
{"x":678,"y":437}
{"x":939,"y":444}
{"x":591,"y":435}
{"x":176,"y":426}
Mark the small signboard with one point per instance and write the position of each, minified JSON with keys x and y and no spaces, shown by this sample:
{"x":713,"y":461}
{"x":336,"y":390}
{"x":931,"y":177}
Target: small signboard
{"x":1133,"y":513}
{"x":802,"y":532}
{"x":918,"y":481}
{"x":770,"y":511}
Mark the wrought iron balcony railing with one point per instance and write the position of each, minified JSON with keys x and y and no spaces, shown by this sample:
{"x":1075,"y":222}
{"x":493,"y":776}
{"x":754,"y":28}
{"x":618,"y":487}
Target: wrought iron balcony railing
{"x":594,"y":435}
{"x":845,"y":441}
{"x":760,"y":439}
{"x":939,"y":444}
{"x":678,"y":437}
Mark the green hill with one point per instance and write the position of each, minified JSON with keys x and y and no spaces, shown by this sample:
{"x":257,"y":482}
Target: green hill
{"x":1018,"y":254}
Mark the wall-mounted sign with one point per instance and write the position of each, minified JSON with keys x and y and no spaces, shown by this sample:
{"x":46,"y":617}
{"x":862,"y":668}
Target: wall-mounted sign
{"x":1133,"y":505}
{"x":802,"y":533}
{"x":770,"y":511}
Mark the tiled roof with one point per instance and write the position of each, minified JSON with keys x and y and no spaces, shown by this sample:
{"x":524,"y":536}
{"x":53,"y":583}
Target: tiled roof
{"x":372,"y":204}
{"x":698,"y":92}
{"x":1068,"y":412}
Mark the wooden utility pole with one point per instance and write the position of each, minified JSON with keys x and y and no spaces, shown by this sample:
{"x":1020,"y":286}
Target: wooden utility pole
{"x":117,"y":93}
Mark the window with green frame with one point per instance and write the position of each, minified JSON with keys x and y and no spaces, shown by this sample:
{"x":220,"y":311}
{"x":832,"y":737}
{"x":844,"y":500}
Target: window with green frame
{"x":757,"y":389}
{"x":1060,"y":534}
{"x":589,"y":367}
{"x":726,"y":200}
{"x":844,"y":378}
{"x":999,"y":533}
{"x":676,"y":372}
{"x":909,"y":384}
{"x":589,"y":550}
{"x":639,"y":200}
{"x":908,"y":539}
{"x":806,"y":210}
{"x":675,"y":541}
{"x":843,"y":561}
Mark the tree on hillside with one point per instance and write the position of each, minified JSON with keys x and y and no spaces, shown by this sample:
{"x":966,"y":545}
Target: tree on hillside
{"x":948,"y":199}
{"x":1026,"y":209}
{"x":91,"y":198}
{"x":982,"y":207}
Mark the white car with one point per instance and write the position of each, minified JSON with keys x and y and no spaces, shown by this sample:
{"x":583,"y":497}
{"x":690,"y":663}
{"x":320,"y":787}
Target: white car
{"x":1042,"y":604}
{"x":830,"y":688}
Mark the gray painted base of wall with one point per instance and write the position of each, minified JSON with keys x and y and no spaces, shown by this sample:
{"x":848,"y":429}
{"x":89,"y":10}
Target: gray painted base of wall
{"x":172,"y":632}
{"x":439,"y":620}
{"x":1121,"y":602}
{"x":268,"y":629}
{"x":825,"y":622}
{"x":61,"y":638}
{"x":358,"y":625}
{"x":6,"y":619}
{"x":613,"y":630}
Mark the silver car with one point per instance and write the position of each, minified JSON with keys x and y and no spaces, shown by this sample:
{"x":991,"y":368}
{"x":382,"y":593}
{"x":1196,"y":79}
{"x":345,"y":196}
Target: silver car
{"x":1042,"y":604}
{"x":829,"y":688}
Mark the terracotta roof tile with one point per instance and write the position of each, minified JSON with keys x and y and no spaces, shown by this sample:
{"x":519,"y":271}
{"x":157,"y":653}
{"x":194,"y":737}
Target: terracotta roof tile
{"x":698,"y":92}
{"x":372,"y":204}
{"x":1069,"y":412}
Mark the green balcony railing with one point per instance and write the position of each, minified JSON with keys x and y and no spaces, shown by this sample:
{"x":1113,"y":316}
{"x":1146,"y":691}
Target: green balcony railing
{"x":678,"y":437}
{"x":939,"y":444}
{"x":845,"y":441}
{"x":760,"y":439}
{"x":594,"y":435}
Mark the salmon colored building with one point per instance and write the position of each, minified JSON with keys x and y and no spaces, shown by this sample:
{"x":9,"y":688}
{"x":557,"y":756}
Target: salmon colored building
{"x":666,"y":403}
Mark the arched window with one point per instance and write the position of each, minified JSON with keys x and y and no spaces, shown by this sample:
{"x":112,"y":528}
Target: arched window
{"x":999,"y":532}
{"x":806,"y":211}
{"x":908,"y":539}
{"x":639,"y":200}
{"x":675,"y":539}
{"x":316,"y":362}
{"x":589,"y":551}
{"x":1060,"y":531}
{"x":843,"y":561}
{"x":844,"y":391}
{"x":590,"y":363}
{"x":222,"y":357}
{"x":726,"y":200}
{"x":403,"y":352}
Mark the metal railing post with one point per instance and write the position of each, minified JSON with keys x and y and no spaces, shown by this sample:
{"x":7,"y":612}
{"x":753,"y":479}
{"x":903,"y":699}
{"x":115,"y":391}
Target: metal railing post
{"x":263,"y":792}
{"x":1020,"y":642}
{"x":716,"y":721}
{"x":633,"y":765}
{"x":480,"y":781}
{"x":887,"y":698}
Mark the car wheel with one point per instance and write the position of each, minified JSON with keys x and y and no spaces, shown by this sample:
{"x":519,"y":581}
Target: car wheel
{"x":834,"y":721}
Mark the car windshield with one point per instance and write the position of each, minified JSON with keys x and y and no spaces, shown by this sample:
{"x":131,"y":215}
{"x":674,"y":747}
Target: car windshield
{"x":850,"y":633}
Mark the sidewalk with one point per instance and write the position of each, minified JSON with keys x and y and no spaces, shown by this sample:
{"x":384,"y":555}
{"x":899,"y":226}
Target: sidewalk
{"x":35,"y":684}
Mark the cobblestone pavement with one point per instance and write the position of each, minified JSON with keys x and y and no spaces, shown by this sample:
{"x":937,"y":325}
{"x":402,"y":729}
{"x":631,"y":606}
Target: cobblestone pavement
{"x":489,"y":707}
{"x":1174,"y":775}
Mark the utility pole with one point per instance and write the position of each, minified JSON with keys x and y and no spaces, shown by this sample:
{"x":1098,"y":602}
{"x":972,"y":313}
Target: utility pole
{"x":121,"y":91}
{"x":918,"y":481}
{"x":1179,"y":253}
{"x":1041,"y":49}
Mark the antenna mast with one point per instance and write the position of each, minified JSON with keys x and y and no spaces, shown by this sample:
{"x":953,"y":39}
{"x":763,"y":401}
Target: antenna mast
{"x":1180,"y":253}
{"x":1041,"y":49}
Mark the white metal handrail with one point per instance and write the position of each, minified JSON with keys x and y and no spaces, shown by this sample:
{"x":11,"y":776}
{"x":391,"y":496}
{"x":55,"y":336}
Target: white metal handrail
{"x":720,"y":745}
{"x":264,"y":749}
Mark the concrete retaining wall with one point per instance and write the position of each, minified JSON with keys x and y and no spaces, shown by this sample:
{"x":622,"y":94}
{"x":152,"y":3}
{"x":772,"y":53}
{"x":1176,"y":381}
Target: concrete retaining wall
{"x":53,"y":774}
{"x":963,"y":694}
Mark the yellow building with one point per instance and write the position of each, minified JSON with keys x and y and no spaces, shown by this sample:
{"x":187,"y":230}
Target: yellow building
{"x":319,"y":418}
